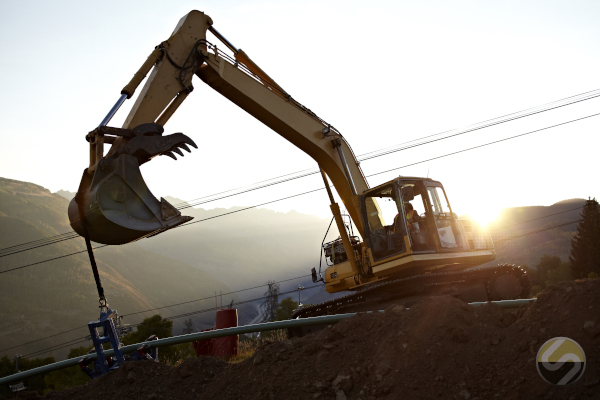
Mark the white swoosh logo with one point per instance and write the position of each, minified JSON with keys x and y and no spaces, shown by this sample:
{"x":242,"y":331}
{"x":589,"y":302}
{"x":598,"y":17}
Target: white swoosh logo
{"x":566,"y":357}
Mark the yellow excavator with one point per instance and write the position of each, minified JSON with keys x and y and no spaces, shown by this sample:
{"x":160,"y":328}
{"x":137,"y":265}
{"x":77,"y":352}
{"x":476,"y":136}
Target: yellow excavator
{"x":409,"y":241}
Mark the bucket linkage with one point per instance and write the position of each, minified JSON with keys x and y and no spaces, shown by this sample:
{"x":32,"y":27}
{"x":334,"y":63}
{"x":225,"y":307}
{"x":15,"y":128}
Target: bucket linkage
{"x":117,"y":206}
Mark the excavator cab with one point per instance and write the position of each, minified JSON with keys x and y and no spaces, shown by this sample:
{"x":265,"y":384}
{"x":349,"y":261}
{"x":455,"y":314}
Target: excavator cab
{"x":410,"y":228}
{"x":417,"y":219}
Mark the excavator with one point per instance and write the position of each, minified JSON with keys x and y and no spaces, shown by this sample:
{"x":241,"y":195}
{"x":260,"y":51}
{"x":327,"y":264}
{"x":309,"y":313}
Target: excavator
{"x":409,"y":243}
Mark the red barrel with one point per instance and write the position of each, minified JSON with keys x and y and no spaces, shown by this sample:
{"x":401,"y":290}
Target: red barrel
{"x":203,"y":347}
{"x":226,"y":347}
{"x":223,"y":347}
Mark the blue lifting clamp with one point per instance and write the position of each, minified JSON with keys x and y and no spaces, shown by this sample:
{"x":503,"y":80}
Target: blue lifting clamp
{"x":103,"y":331}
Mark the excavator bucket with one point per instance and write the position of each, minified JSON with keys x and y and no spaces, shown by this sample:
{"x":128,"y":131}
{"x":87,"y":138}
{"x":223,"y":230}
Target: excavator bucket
{"x":115,"y":204}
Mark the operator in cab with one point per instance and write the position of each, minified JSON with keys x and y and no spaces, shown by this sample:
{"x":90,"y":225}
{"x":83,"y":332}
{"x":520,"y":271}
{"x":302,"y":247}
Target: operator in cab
{"x":412,"y":219}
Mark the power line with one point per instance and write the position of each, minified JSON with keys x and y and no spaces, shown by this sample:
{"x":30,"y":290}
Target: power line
{"x":377,"y":153}
{"x":536,"y":231}
{"x":51,"y":259}
{"x":315,"y":190}
{"x":210,"y":297}
{"x":487,"y":144}
{"x":456,"y":132}
{"x":154,"y":309}
{"x":34,"y":242}
{"x":535,"y":219}
{"x":79,"y":340}
{"x":290,"y":279}
{"x":533,"y":110}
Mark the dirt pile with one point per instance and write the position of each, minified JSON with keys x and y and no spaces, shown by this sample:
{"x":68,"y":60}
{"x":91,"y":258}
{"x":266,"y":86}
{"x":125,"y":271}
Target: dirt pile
{"x":440,"y":348}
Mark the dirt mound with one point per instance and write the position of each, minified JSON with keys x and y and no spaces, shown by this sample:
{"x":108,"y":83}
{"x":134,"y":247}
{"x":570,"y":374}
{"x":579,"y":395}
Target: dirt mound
{"x":440,"y":348}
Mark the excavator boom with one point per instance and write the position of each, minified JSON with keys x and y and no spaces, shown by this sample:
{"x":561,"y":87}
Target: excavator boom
{"x":117,"y":206}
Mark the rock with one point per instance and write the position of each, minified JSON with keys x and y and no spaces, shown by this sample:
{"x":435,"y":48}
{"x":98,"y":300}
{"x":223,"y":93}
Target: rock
{"x":590,"y":328}
{"x":152,"y":396}
{"x":289,"y":345}
{"x":130,"y":377}
{"x":340,"y":395}
{"x":464,"y":394}
{"x":397,"y":309}
{"x":184,"y":372}
{"x":523,"y":346}
{"x":258,"y":359}
{"x":328,"y":346}
{"x":342,"y":382}
{"x":495,"y":340}
{"x":384,"y":369}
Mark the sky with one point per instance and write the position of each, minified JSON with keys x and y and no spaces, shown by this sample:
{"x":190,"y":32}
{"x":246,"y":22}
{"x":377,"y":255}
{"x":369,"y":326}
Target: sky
{"x":381,"y":72}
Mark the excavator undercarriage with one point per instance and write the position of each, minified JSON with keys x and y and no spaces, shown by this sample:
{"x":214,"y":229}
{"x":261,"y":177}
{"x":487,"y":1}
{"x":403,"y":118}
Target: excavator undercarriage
{"x":503,"y":282}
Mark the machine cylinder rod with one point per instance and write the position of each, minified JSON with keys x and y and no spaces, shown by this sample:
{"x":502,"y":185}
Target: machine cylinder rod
{"x":114,"y":110}
{"x":267,"y":326}
{"x":337,"y":143}
{"x":223,"y":39}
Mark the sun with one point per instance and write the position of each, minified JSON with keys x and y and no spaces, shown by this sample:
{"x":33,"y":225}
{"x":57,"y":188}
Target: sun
{"x":484,"y":215}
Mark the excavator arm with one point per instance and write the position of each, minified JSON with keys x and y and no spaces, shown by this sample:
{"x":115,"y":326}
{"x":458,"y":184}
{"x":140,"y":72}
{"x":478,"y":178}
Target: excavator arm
{"x":113,"y":204}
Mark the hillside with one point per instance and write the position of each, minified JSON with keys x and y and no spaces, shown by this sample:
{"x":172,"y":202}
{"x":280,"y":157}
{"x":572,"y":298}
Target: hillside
{"x":249,"y":246}
{"x":515,"y":245}
{"x":221,"y":254}
{"x":52,"y":297}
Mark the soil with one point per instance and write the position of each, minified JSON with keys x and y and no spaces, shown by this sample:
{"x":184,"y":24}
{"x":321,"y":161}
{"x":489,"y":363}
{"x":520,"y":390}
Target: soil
{"x":439,"y":348}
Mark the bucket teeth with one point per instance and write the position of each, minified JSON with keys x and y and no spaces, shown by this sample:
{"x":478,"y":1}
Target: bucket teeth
{"x":176,"y":150}
{"x":184,"y":146}
{"x":145,"y":147}
{"x":169,"y":154}
{"x":189,"y":141}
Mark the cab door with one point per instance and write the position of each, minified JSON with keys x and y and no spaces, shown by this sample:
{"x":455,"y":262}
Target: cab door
{"x":444,"y":219}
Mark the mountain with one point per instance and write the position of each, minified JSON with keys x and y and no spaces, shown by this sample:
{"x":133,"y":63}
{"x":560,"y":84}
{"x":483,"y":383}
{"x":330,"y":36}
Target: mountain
{"x":255,"y":245}
{"x":522,"y":243}
{"x":66,"y":194}
{"x":221,"y":251}
{"x":48,"y":298}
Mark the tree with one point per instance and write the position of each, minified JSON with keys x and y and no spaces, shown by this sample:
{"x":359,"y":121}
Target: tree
{"x":162,"y":328}
{"x":68,"y":377}
{"x":585,"y":245}
{"x":33,"y":383}
{"x":286,"y":309}
{"x":560,"y":274}
{"x":269,"y":306}
{"x":189,"y":326}
{"x":533,"y":275}
{"x":547,"y":263}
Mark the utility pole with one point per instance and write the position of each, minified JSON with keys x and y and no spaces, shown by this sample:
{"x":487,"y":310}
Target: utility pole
{"x":299,"y":290}
{"x":19,"y":386}
{"x":17,"y":356}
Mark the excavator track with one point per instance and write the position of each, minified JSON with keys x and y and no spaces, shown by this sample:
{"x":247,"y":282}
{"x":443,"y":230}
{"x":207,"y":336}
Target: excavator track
{"x":503,"y":282}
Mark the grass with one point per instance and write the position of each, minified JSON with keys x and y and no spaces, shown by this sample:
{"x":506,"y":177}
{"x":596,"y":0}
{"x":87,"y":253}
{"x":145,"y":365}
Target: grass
{"x":247,"y":345}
